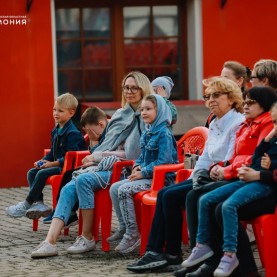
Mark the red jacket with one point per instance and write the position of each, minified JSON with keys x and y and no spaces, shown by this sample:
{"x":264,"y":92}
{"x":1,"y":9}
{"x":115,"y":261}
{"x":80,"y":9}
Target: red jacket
{"x":248,"y":137}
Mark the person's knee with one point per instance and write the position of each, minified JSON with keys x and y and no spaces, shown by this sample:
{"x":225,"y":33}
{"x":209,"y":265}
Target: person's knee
{"x":114,"y":190}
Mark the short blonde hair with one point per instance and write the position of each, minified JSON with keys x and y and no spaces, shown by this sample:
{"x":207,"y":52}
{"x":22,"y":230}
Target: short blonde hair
{"x":142,"y":82}
{"x":267,"y":69}
{"x":221,"y":84}
{"x":68,"y":101}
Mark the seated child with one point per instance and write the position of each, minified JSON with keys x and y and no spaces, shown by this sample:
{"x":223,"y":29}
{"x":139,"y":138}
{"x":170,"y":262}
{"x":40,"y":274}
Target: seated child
{"x":163,"y":86}
{"x":158,"y":146}
{"x":94,"y":122}
{"x":65,"y":137}
{"x":235,"y":194}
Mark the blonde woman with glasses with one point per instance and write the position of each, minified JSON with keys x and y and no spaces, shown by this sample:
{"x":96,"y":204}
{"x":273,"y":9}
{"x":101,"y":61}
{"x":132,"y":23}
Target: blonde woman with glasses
{"x":121,"y":139}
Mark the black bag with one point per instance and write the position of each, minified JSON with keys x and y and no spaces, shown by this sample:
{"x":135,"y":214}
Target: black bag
{"x":202,"y":182}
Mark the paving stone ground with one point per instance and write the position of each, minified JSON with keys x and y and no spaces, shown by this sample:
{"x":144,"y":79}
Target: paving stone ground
{"x":17,"y":241}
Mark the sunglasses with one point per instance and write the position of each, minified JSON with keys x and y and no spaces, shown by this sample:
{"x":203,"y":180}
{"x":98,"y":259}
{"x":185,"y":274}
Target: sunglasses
{"x":249,"y":102}
{"x":214,"y":95}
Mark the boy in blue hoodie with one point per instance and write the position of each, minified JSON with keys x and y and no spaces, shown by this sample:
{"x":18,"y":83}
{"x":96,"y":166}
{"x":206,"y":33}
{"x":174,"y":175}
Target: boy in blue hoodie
{"x":65,"y":137}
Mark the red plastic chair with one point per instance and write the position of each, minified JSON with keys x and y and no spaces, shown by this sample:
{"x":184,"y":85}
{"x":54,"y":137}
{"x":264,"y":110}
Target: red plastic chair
{"x":103,"y":204}
{"x":265,"y":228}
{"x":192,"y":142}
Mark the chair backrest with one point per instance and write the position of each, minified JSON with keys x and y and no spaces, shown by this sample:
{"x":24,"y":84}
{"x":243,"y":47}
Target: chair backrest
{"x":192,"y":142}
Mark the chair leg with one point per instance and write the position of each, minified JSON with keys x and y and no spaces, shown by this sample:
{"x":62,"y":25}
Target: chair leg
{"x":35,"y":225}
{"x":185,"y":237}
{"x":147,"y":213}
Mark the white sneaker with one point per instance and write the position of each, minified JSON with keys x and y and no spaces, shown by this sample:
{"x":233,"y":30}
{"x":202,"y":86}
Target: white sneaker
{"x":17,"y":210}
{"x":37,"y":210}
{"x":44,"y":250}
{"x":81,"y":245}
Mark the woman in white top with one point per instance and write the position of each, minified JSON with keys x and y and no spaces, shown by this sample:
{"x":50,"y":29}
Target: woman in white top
{"x":224,"y":99}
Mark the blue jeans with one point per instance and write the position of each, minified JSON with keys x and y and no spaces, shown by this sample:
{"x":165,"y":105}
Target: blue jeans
{"x":122,"y":193}
{"x":237,"y":194}
{"x":82,"y":188}
{"x":36,"y":180}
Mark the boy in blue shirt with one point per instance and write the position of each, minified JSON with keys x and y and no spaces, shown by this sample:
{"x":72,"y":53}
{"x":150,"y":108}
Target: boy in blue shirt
{"x":65,"y":137}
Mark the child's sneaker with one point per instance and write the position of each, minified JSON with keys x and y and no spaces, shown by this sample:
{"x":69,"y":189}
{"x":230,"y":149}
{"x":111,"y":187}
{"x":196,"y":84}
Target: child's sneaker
{"x":48,"y":219}
{"x":81,"y":245}
{"x":37,"y":210}
{"x":72,"y":221}
{"x":128,"y":244}
{"x":198,"y":255}
{"x":18,"y":210}
{"x":227,"y":266}
{"x":44,"y":250}
{"x":118,"y":235}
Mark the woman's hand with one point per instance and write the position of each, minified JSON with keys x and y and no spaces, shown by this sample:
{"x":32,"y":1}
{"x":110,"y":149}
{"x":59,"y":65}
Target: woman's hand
{"x":266,"y":161}
{"x":88,"y":159}
{"x":248,"y":174}
{"x":217,"y":173}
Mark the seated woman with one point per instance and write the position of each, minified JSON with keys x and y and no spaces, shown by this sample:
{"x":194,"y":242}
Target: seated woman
{"x":264,"y":74}
{"x":223,"y":97}
{"x":121,"y":139}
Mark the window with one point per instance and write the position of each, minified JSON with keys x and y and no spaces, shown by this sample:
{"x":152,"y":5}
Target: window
{"x":97,"y":45}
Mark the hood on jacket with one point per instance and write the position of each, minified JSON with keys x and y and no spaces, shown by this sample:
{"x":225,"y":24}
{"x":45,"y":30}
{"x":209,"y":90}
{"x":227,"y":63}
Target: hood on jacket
{"x":163,"y":114}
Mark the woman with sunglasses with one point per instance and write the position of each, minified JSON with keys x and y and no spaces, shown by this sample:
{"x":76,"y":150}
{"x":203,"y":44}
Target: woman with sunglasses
{"x":257,"y":125}
{"x":264,"y":73}
{"x":223,"y":98}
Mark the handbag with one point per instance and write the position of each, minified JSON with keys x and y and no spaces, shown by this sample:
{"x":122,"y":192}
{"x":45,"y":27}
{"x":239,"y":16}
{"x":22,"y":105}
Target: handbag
{"x":202,"y":182}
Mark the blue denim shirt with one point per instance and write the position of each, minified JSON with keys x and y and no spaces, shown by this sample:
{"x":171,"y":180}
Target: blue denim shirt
{"x":157,"y":147}
{"x":68,"y":139}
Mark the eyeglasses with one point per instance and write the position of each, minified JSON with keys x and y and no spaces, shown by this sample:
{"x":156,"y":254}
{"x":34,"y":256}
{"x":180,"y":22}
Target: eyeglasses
{"x":133,"y":90}
{"x":215,"y":95}
{"x":249,"y":102}
{"x":256,"y":77}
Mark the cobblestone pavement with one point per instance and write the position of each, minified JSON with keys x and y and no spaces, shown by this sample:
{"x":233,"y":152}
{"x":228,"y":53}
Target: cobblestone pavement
{"x":17,"y":240}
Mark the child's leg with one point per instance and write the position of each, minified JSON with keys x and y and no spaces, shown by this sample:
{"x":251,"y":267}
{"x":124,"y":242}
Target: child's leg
{"x":202,"y":251}
{"x":115,"y":200}
{"x":246,"y":194}
{"x":126,"y":202}
{"x":31,"y":175}
{"x":67,"y":201}
{"x":38,"y":183}
{"x":54,"y":230}
{"x":208,"y":201}
{"x":86,"y":185}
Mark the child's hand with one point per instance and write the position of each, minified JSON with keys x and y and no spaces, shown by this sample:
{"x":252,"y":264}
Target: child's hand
{"x":266,"y":161}
{"x":137,"y":168}
{"x":136,"y":175}
{"x":248,"y":174}
{"x":87,"y":164}
{"x":88,"y":159}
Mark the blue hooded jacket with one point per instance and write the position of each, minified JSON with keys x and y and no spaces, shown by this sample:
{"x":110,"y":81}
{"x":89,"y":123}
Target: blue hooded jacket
{"x":158,"y":145}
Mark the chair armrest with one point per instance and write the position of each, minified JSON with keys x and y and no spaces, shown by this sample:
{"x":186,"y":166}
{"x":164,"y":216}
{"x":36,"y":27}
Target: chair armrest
{"x":117,"y":169}
{"x":183,"y":174}
{"x":159,"y":174}
{"x":79,"y":156}
{"x":69,"y":161}
{"x":46,"y":151}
